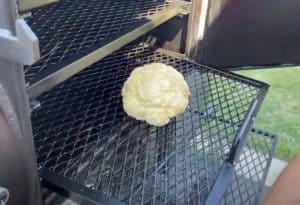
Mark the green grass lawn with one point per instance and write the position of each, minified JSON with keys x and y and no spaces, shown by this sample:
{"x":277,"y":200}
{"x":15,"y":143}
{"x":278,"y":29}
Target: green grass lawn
{"x":280,"y":112}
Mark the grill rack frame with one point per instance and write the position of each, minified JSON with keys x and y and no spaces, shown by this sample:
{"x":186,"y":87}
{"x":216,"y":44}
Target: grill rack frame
{"x":243,"y":127}
{"x":27,"y":127}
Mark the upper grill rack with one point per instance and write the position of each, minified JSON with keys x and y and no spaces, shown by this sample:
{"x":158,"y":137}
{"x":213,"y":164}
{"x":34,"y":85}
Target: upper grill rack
{"x":82,"y":133}
{"x":69,"y":30}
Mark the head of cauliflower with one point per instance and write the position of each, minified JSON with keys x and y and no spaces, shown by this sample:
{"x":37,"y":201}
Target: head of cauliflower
{"x":155,"y":93}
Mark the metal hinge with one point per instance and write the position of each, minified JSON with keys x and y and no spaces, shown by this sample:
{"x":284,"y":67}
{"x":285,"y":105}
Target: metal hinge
{"x":22,"y":48}
{"x":4,"y":195}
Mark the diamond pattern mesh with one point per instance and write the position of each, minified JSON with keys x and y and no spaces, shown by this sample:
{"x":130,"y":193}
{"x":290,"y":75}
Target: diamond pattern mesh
{"x":82,"y":133}
{"x":247,"y":186}
{"x":69,"y":29}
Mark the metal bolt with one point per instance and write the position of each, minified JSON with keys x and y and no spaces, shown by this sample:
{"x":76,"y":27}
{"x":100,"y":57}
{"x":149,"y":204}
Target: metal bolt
{"x":34,"y":104}
{"x":4,"y":195}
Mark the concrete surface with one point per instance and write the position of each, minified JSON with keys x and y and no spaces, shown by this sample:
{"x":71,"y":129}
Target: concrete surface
{"x":275,"y":169}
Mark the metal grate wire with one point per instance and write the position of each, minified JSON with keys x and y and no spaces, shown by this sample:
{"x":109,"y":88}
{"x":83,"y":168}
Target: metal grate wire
{"x":251,"y":170}
{"x":69,"y":29}
{"x":82,"y":133}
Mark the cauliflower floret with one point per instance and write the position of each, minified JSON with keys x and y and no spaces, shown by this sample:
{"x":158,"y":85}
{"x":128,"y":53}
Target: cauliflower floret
{"x":155,"y":93}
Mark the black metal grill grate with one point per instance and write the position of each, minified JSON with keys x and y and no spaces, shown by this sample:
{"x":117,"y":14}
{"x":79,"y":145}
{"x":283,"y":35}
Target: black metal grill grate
{"x":248,"y":184}
{"x":82,"y":133}
{"x":70,"y":29}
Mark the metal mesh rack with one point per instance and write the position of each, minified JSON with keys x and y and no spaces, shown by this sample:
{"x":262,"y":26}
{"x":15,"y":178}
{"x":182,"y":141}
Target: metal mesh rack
{"x":247,"y":184}
{"x":82,"y":133}
{"x":251,"y":170}
{"x":71,"y":29}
